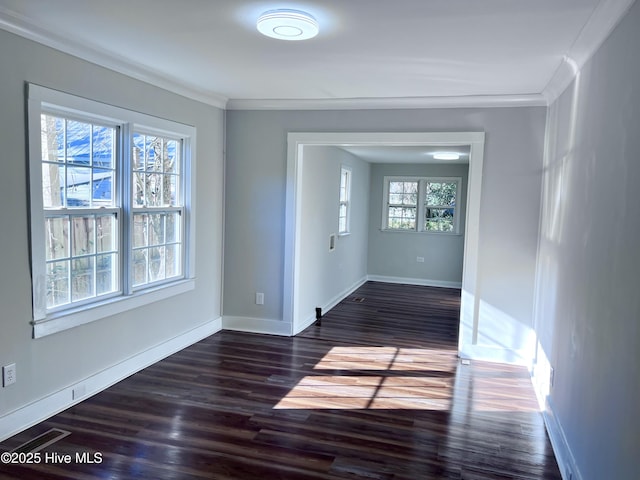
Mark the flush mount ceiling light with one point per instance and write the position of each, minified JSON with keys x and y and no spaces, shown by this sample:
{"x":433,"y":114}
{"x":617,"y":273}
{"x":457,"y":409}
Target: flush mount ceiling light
{"x":286,"y":24}
{"x":446,"y":156}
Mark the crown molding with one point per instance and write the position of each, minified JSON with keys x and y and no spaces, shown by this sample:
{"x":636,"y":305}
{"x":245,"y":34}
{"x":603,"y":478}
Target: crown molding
{"x":601,"y":23}
{"x":529,"y":100}
{"x":603,"y":20}
{"x":20,"y":25}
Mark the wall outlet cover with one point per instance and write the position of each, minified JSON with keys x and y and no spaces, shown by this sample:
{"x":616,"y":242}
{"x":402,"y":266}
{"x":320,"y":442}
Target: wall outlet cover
{"x":9,"y":375}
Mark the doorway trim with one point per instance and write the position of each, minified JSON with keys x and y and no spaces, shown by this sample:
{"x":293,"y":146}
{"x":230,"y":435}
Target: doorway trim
{"x":296,"y":143}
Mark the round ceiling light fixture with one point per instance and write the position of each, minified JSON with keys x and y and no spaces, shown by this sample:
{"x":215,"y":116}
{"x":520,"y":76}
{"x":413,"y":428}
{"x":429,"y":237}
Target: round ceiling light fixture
{"x":285,"y":24}
{"x":446,"y":156}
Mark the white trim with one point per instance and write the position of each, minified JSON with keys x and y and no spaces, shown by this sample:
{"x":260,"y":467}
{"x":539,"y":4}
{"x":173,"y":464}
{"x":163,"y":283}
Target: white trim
{"x":20,"y":25}
{"x":40,"y":410}
{"x":256,"y":325}
{"x":98,"y":310}
{"x":296,"y":141}
{"x":564,"y":456}
{"x":425,"y":282}
{"x":468,"y":101}
{"x":497,"y":354}
{"x":327,"y":306}
{"x":604,"y":19}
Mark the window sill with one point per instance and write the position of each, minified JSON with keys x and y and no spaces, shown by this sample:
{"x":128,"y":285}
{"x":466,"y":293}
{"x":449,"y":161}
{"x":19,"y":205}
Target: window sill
{"x":412,"y":232}
{"x":60,"y":321}
{"x":344,"y":234}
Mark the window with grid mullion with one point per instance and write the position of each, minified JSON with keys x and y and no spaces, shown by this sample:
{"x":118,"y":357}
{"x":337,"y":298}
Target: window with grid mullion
{"x":108,"y":186}
{"x":157,"y":213}
{"x":80,"y":210}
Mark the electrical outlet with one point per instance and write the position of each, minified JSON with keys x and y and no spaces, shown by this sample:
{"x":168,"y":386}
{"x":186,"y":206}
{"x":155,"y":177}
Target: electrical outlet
{"x":259,"y":298}
{"x":420,"y":259}
{"x":8,"y":375}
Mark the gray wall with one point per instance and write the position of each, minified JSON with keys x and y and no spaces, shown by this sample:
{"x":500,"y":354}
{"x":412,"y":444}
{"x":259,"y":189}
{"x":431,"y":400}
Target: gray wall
{"x":393,"y":254}
{"x":54,"y":362}
{"x":326,"y":276}
{"x":256,"y":187}
{"x":588,"y":307}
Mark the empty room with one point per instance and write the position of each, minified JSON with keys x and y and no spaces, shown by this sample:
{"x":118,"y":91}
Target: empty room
{"x":320,"y":239}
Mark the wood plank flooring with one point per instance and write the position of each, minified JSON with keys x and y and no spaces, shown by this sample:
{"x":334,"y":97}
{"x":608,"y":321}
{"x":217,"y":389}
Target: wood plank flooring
{"x":376,"y":392}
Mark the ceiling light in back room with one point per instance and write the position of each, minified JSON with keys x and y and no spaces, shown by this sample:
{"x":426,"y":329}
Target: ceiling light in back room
{"x":446,"y":156}
{"x":286,"y":24}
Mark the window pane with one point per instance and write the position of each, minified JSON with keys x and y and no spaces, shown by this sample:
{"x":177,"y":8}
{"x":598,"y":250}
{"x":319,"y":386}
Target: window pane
{"x":156,"y":264}
{"x":403,"y":193}
{"x":106,"y":274}
{"x":173,"y":227}
{"x":439,"y":219}
{"x":170,"y":194}
{"x":82,"y":240}
{"x":52,"y":138}
{"x":344,"y":185}
{"x":78,"y":187}
{"x":153,"y":148}
{"x":441,"y":193}
{"x":78,"y":142}
{"x":82,"y":278}
{"x":140,"y":267}
{"x":156,"y":229}
{"x":57,"y":237}
{"x":57,"y":283}
{"x":153,"y":190}
{"x":140,"y":230}
{"x":138,"y":152}
{"x":52,"y":182}
{"x":172,"y":162}
{"x":395,"y":198}
{"x":106,"y":233}
{"x":173,"y":261}
{"x":103,"y":187}
{"x":402,"y":218}
{"x":103,"y":147}
{"x":138,"y":189}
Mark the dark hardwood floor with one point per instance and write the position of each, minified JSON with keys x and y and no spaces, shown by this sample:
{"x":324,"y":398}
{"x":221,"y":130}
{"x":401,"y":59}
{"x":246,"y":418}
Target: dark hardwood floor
{"x":376,"y":392}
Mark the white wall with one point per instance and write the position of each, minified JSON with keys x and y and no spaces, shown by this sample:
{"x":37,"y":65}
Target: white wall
{"x":48,"y":365}
{"x":587,"y":303}
{"x":392,"y":255}
{"x":327,"y":276}
{"x":256,"y":175}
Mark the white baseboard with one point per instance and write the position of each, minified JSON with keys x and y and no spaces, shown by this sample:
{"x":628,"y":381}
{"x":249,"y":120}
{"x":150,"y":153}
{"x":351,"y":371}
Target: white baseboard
{"x":426,"y":282}
{"x":495,"y":354}
{"x":564,"y":456}
{"x":256,"y":325}
{"x":328,"y":305}
{"x":38,"y":411}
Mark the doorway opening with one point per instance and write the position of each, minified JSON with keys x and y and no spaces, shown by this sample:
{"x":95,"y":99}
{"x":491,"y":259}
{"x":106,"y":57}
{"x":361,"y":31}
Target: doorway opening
{"x":297,"y":142}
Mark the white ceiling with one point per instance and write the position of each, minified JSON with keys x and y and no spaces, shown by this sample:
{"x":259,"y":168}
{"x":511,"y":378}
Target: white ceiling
{"x":397,"y":51}
{"x":407,"y":154}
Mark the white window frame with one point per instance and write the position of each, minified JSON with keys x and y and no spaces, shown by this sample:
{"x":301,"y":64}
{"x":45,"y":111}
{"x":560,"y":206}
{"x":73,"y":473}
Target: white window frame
{"x":421,"y":206}
{"x":345,"y":173}
{"x":44,"y":100}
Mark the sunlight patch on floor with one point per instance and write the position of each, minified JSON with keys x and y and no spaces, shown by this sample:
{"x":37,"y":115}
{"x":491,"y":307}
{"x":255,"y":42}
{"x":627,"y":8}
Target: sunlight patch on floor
{"x":374,"y":392}
{"x":409,"y":379}
{"x":387,"y":358}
